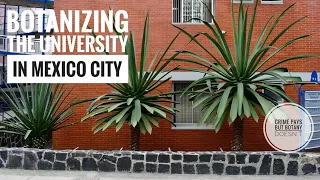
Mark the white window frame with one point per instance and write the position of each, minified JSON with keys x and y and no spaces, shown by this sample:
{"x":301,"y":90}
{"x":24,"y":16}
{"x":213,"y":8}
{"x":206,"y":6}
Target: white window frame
{"x":243,"y":2}
{"x":191,"y":23}
{"x":271,"y":2}
{"x":188,"y":126}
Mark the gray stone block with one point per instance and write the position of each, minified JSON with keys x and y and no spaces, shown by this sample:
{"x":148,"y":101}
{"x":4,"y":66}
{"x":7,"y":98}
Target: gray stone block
{"x":248,"y":170}
{"x":176,"y":168}
{"x":188,"y":169}
{"x":176,"y":157}
{"x":217,"y":168}
{"x":44,"y":165}
{"x":151,"y":157}
{"x":59,"y":166}
{"x":190,"y":158}
{"x":309,"y":169}
{"x":218,"y":157}
{"x":106,"y":166}
{"x":241,"y":158}
{"x":163,"y":168}
{"x":138,"y":167}
{"x":14,"y":162}
{"x":110,"y":158}
{"x":231,"y":158}
{"x":203,"y":169}
{"x":124,"y":164}
{"x":265,"y":165}
{"x":232,"y":170}
{"x":164,"y":158}
{"x":4,"y":155}
{"x":205,"y":157}
{"x":73,"y":164}
{"x":138,"y":157}
{"x":278,"y":167}
{"x":89,"y":164}
{"x":292,"y":168}
{"x":30,"y":160}
{"x":151,"y":168}
{"x":61,"y":156}
{"x":254,"y":158}
{"x":49,"y":156}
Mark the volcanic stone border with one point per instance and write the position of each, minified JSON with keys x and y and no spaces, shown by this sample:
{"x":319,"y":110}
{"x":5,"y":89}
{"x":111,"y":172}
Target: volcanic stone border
{"x":221,"y":163}
{"x":12,"y":140}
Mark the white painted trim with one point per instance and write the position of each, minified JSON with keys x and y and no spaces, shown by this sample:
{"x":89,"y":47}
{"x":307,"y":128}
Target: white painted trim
{"x":191,"y":126}
{"x":272,"y":2}
{"x":192,"y":76}
{"x":243,"y":2}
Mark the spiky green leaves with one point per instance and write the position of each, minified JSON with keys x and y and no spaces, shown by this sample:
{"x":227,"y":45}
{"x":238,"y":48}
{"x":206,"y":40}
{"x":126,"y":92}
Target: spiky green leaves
{"x":236,"y":80}
{"x":133,"y":103}
{"x":36,"y":110}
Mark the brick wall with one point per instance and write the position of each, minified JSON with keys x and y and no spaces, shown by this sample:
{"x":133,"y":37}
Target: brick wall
{"x":161,"y":33}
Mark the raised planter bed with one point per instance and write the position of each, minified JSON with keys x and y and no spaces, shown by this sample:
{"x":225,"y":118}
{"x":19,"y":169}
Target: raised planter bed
{"x":221,"y":163}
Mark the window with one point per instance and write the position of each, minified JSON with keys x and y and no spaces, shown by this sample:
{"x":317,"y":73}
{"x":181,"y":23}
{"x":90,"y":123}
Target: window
{"x":184,"y":10}
{"x":187,"y":117}
{"x":271,"y":1}
{"x":274,"y":96}
{"x":243,"y":1}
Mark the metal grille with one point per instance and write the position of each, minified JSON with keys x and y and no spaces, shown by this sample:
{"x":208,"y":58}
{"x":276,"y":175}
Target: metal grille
{"x":186,"y":113}
{"x":183,"y":11}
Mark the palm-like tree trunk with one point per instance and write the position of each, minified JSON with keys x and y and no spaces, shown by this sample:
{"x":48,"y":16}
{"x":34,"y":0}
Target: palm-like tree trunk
{"x":135,"y":138}
{"x":237,"y":139}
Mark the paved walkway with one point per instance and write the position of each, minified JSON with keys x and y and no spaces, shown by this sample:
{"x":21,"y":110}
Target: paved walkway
{"x":6,"y":174}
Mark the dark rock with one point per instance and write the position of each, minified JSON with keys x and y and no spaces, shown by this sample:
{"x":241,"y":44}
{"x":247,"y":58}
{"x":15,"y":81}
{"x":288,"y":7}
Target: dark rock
{"x":14,"y":162}
{"x":79,"y":154}
{"x":44,"y":165}
{"x":295,"y":156}
{"x":30,"y":160}
{"x":217,"y":168}
{"x":231,"y":158}
{"x":59,"y":166}
{"x":40,"y":154}
{"x":61,"y":156}
{"x":248,"y":170}
{"x":190,"y":158}
{"x":176,"y":168}
{"x":280,"y":154}
{"x":4,"y":155}
{"x":265,"y":165}
{"x":254,"y":158}
{"x":241,"y":158}
{"x":49,"y":156}
{"x":292,"y":168}
{"x":124,"y":164}
{"x":309,"y":169}
{"x":110,"y":158}
{"x":278,"y":167}
{"x":205,"y":157}
{"x":106,"y":166}
{"x":164,"y":158}
{"x":188,"y":169}
{"x":73,"y":164}
{"x":97,"y":156}
{"x":176,"y":157}
{"x":89,"y":164}
{"x":219,"y":157}
{"x":151,"y":168}
{"x":138,"y":167}
{"x":151,"y":157}
{"x":232,"y":170}
{"x":203,"y":169}
{"x":17,"y":151}
{"x":1,"y":164}
{"x":163,"y":168}
{"x":138,"y":157}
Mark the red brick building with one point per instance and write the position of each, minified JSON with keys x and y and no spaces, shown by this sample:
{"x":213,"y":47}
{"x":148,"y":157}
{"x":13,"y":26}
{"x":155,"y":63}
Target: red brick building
{"x":187,"y":136}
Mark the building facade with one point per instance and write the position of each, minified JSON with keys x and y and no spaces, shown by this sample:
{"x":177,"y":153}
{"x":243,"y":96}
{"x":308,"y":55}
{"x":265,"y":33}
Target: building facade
{"x":186,"y":136}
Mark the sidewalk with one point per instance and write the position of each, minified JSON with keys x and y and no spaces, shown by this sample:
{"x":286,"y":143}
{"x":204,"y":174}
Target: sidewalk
{"x":6,"y":174}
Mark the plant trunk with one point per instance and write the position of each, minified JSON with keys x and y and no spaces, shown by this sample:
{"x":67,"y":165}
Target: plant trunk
{"x":135,"y":138}
{"x":39,"y":142}
{"x":237,"y":139}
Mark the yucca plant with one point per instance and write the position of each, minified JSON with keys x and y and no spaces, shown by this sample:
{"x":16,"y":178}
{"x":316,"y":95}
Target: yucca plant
{"x":139,"y":103}
{"x":35,"y":111}
{"x":235,"y":80}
